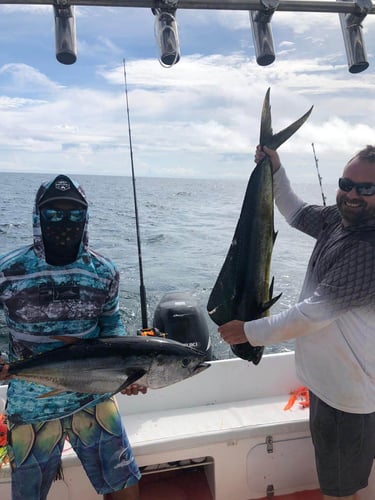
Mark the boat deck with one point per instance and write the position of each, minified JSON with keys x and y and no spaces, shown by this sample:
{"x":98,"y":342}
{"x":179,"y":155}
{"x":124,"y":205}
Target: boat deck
{"x":192,"y":485}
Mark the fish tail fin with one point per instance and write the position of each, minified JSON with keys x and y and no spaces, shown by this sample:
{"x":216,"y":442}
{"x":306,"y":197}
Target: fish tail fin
{"x":273,"y":141}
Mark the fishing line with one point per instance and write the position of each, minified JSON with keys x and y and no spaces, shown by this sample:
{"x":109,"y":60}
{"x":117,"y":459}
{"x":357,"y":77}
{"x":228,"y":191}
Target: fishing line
{"x":142,"y":289}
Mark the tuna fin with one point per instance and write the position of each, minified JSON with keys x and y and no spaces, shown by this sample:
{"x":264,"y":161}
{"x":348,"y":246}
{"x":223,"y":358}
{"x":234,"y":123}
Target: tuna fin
{"x":132,"y":379}
{"x":50,"y":394}
{"x":65,"y":338}
{"x":267,"y":138}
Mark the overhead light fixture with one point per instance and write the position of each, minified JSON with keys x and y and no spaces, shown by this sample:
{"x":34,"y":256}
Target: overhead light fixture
{"x":262,"y":32}
{"x":352,"y":31}
{"x":65,"y":33}
{"x":166,"y":34}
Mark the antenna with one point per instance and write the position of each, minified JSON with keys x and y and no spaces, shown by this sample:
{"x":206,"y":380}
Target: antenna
{"x":319,"y":176}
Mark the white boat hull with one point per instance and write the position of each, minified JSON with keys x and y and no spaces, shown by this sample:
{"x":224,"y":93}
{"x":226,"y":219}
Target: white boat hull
{"x":230,"y":418}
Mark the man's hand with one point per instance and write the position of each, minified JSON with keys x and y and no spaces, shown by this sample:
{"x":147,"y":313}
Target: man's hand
{"x":233,"y":332}
{"x":262,"y":151}
{"x":4,"y":372}
{"x":134,"y":389}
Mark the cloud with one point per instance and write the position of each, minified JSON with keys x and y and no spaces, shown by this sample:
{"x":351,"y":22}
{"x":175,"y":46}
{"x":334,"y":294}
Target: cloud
{"x":200,"y":118}
{"x":17,"y":78}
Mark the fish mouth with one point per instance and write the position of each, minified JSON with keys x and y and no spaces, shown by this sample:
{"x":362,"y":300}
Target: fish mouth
{"x":201,"y":367}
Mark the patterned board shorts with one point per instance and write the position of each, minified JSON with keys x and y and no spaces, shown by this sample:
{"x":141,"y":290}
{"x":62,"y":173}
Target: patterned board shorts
{"x":344,"y":448}
{"x":96,"y":435}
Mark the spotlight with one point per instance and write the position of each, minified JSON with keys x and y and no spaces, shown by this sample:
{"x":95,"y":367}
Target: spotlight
{"x":262,"y":32}
{"x":352,"y":31}
{"x":166,"y":34}
{"x":65,"y":34}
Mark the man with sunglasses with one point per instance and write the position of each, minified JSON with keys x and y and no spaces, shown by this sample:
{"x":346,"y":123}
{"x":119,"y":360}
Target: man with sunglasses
{"x":333,"y":322}
{"x":59,"y":287}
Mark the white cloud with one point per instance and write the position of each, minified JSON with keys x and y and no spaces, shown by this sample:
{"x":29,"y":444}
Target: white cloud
{"x":24,"y":78}
{"x":199,"y":118}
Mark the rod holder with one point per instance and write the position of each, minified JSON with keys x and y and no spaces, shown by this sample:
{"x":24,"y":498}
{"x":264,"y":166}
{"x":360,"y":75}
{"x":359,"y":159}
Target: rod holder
{"x":65,"y":33}
{"x":353,"y":38}
{"x":262,"y":32}
{"x":166,"y":33}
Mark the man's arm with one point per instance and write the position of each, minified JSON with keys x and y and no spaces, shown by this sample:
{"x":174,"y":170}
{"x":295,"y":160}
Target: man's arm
{"x":338,"y":292}
{"x":299,"y":320}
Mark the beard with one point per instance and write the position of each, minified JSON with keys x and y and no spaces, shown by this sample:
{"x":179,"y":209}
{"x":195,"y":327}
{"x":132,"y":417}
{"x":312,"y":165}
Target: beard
{"x":354,"y":211}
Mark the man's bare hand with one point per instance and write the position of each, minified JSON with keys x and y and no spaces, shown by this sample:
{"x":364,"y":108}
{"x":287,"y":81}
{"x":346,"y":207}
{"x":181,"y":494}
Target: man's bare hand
{"x":233,"y":332}
{"x":262,"y":152}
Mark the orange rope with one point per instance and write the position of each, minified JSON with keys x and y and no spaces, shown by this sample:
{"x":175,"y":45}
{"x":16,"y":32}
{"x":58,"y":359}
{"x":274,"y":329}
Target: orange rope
{"x":302,"y":393}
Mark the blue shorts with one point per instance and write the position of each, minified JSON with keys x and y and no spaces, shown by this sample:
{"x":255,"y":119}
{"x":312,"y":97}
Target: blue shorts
{"x":344,"y":448}
{"x":96,"y":435}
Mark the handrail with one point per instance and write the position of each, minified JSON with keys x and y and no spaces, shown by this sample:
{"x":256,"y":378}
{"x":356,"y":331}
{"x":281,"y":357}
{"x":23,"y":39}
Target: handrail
{"x":340,"y":6}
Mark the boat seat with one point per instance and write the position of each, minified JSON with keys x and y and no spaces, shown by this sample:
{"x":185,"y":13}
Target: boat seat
{"x":182,"y":428}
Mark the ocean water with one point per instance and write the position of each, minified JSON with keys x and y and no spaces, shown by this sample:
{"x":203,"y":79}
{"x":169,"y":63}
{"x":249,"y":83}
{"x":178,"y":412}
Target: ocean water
{"x":186,"y":227}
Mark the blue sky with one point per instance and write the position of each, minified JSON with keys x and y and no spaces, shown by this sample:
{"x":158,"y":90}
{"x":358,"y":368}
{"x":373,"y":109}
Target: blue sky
{"x":199,"y":118}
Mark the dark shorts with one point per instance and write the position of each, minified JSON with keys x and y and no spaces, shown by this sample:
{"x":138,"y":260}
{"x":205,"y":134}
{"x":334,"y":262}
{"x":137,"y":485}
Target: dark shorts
{"x":97,"y":436}
{"x":344,"y":448}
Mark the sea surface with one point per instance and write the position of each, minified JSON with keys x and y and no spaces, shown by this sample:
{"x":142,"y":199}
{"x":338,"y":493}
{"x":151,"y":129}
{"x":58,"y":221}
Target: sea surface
{"x":186,"y":227}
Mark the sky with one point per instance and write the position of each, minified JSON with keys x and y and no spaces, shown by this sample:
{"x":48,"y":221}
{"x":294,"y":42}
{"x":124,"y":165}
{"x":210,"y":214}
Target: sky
{"x":197,"y":119}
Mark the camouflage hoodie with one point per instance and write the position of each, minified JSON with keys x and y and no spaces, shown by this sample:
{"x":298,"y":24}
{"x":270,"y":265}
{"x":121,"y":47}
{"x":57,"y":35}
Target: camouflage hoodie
{"x":40,"y":301}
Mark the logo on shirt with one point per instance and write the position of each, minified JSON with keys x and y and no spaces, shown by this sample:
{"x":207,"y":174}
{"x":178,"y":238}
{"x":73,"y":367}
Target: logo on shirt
{"x":51,"y":293}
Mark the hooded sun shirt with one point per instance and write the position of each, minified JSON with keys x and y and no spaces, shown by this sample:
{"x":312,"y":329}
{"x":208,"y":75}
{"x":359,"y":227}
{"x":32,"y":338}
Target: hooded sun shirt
{"x":61,"y":238}
{"x":41,"y":300}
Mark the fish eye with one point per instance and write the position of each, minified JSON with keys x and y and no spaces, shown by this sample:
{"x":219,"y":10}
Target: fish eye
{"x":185,"y":362}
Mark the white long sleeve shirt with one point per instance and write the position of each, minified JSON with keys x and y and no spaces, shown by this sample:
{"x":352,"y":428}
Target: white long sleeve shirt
{"x":334,"y":321}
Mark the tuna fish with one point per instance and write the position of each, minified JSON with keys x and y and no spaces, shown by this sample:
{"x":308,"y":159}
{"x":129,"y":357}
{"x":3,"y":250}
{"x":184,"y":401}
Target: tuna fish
{"x":110,"y":364}
{"x":243,"y":289}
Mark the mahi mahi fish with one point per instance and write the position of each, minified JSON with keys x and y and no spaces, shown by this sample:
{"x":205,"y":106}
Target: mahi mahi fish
{"x":243,"y":289}
{"x":110,"y":364}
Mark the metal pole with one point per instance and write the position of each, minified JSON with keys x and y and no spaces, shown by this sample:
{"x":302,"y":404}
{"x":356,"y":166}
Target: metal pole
{"x":65,"y":34}
{"x":284,"y":5}
{"x":352,"y":32}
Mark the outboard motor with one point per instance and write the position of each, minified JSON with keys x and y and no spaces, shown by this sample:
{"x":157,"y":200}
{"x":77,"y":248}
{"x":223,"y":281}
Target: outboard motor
{"x":179,"y":316}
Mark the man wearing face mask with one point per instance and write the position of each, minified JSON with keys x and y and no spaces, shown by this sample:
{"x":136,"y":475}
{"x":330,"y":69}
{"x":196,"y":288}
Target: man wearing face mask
{"x":333,"y":322}
{"x":58,"y":286}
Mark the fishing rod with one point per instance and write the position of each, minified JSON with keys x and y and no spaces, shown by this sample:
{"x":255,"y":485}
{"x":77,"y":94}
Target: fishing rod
{"x":142,"y":289}
{"x":319,"y":176}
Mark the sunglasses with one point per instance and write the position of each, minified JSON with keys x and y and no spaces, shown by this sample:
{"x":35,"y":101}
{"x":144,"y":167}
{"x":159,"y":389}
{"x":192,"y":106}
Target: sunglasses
{"x":362,"y":188}
{"x":58,"y":215}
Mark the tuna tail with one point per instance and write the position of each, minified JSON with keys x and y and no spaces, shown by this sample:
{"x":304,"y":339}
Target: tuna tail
{"x":266,"y":135}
